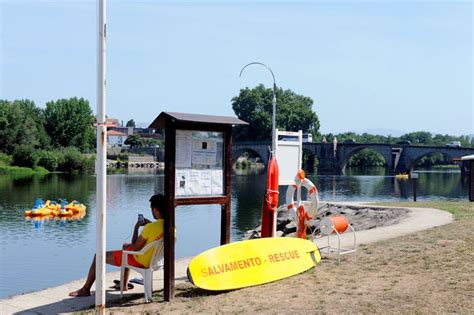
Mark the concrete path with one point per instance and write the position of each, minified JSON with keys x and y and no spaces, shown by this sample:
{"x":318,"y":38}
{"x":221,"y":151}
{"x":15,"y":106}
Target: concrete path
{"x":418,"y":219}
{"x":56,"y":301}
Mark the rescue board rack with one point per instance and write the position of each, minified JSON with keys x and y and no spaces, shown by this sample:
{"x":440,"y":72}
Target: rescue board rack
{"x":332,"y":225}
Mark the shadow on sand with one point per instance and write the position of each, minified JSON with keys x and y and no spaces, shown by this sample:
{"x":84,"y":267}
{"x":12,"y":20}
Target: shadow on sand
{"x":84,"y":304}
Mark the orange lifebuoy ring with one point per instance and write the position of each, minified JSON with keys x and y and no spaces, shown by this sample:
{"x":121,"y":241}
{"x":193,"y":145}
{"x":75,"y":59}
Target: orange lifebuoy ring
{"x":300,"y":180}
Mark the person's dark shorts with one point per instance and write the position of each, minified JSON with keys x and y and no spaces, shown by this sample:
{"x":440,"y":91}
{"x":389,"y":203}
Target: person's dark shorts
{"x":131,"y":259}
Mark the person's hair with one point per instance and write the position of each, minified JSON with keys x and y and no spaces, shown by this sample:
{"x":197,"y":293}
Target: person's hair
{"x":158,"y":201}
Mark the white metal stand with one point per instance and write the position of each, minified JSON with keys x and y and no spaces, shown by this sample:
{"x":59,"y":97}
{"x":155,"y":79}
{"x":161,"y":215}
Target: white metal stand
{"x":327,"y":228}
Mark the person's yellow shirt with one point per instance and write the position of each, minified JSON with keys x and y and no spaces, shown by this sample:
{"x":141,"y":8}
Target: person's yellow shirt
{"x":151,"y":232}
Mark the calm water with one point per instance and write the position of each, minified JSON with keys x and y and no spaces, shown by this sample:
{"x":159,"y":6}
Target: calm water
{"x":40,"y":254}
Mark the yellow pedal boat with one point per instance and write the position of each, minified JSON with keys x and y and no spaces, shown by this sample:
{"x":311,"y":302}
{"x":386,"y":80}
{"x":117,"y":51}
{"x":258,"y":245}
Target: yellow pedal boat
{"x":75,"y":207}
{"x":402,"y":176}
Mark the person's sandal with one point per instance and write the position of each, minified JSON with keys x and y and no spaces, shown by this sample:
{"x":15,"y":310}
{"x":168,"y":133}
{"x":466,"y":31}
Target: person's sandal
{"x":116,"y":285}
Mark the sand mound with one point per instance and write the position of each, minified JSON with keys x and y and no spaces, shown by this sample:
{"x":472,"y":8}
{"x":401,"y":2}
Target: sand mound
{"x":360,"y":217}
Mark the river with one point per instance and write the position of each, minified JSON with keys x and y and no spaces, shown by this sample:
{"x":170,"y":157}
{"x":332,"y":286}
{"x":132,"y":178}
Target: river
{"x":40,"y":254}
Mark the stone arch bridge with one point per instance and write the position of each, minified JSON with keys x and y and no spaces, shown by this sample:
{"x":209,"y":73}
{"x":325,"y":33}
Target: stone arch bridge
{"x":399,"y":158}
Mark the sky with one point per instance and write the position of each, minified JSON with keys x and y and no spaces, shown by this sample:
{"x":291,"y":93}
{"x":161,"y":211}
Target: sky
{"x":386,"y":67}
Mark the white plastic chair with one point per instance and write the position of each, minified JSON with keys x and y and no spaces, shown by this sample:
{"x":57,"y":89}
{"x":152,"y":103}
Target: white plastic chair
{"x":147,"y":273}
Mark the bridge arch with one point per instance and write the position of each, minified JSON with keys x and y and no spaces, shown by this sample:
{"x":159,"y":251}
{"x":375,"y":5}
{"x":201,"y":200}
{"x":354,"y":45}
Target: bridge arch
{"x":252,"y":153}
{"x":259,"y":149}
{"x":418,"y":157}
{"x":310,"y":160}
{"x":349,"y":152}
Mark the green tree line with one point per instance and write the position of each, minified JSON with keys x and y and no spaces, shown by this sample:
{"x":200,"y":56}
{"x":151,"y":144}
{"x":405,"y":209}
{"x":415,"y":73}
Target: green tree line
{"x":55,"y":137}
{"x":294,"y":112}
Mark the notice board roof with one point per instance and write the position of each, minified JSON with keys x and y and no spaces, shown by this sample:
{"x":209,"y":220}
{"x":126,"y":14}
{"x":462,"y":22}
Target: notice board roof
{"x":159,"y":121}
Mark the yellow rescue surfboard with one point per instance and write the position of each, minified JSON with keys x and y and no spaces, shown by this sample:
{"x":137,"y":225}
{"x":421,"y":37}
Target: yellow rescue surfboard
{"x":253,"y":262}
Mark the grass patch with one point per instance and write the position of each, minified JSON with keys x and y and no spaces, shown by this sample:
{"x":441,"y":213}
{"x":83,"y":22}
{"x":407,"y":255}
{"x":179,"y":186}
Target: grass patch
{"x":459,"y":209}
{"x":446,"y":167}
{"x":18,"y":170}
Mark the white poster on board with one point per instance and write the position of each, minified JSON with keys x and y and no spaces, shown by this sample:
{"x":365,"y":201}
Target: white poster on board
{"x":199,"y":182}
{"x":183,"y":148}
{"x":217,"y":187}
{"x":204,"y":152}
{"x":182,"y":182}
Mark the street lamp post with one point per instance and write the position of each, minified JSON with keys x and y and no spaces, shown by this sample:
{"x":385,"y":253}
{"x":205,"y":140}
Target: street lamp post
{"x":271,"y":195}
{"x":273,"y":102}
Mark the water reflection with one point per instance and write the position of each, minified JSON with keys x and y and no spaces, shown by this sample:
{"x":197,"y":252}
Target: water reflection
{"x":247,"y":198}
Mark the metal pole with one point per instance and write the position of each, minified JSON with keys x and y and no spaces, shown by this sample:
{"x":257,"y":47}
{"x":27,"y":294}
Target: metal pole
{"x":274,"y":138}
{"x":414,"y":189}
{"x":273,"y":102}
{"x":101,"y":162}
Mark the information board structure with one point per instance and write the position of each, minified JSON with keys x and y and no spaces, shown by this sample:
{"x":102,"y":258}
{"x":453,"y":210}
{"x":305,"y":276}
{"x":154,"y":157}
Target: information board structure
{"x":289,"y":153}
{"x":198,"y":166}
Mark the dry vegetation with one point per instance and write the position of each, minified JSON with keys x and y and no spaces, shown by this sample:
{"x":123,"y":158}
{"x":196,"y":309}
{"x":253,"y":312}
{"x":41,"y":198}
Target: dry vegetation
{"x":426,"y":272}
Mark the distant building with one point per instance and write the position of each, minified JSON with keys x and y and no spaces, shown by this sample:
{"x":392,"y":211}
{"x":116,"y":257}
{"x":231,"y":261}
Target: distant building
{"x":142,"y":132}
{"x":117,"y":133}
{"x":126,"y":130}
{"x":116,"y":138}
{"x":109,"y":122}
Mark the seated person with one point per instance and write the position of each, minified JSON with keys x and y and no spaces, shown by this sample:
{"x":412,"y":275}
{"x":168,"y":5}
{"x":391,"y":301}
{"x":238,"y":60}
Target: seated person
{"x":151,"y":232}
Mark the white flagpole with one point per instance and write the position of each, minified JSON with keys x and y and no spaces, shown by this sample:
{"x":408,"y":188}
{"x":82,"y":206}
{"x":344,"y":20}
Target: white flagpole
{"x":101,"y":162}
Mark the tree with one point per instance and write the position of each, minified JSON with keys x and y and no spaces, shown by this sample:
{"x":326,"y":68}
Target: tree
{"x":69,"y":123}
{"x":293,"y":112}
{"x":21,"y":123}
{"x":418,"y":137}
{"x":24,"y":155}
{"x":366,"y":157}
{"x":134,"y":141}
{"x":130,"y":123}
{"x":37,"y":115}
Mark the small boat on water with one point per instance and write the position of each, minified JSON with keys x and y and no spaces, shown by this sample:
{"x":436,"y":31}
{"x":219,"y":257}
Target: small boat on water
{"x":75,"y":207}
{"x":402,"y":176}
{"x":40,"y":208}
{"x":39,"y":212}
{"x":63,"y":212}
{"x":52,"y":208}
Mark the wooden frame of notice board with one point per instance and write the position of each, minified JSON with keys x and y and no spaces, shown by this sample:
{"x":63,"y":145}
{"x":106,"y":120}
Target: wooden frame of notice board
{"x":198,"y":166}
{"x":468,"y":163}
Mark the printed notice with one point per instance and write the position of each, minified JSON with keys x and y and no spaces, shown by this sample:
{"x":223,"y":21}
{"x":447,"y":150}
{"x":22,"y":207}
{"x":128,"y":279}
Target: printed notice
{"x":204,"y":152}
{"x":199,"y":183}
{"x":182,"y":183}
{"x":217,"y":187}
{"x":183,"y":148}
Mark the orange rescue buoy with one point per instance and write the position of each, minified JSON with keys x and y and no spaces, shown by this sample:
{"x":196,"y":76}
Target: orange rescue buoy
{"x":270,"y":200}
{"x":337,"y":223}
